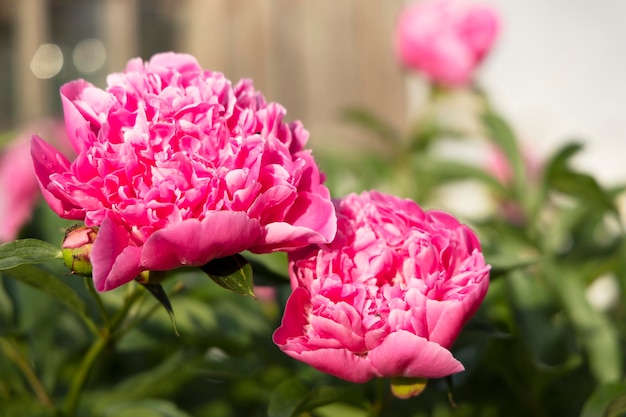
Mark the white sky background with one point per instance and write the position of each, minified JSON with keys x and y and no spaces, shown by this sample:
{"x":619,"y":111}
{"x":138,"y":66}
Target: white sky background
{"x":558,"y":72}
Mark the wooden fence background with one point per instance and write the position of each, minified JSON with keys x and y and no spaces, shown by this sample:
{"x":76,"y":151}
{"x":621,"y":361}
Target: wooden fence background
{"x":313,"y":56}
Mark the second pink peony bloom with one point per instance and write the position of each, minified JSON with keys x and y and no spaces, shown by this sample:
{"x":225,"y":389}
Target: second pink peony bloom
{"x":178,"y":167}
{"x":388,"y":297}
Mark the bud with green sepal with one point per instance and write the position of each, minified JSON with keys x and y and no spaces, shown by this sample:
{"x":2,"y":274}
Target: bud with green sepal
{"x":76,"y":248}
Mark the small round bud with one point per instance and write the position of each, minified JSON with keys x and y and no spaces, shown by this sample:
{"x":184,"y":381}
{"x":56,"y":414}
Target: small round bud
{"x":77,"y":247}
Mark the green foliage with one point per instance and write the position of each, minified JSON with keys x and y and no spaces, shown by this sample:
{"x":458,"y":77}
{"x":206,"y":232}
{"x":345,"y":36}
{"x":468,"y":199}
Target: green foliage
{"x":233,"y":273}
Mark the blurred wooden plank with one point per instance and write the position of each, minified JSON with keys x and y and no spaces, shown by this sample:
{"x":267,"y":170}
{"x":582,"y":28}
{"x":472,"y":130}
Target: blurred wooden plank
{"x":331,"y":82}
{"x":119,"y":32}
{"x":381,"y":79}
{"x":248,"y":34}
{"x":203,"y":30}
{"x":31,"y":94}
{"x":287,"y":57}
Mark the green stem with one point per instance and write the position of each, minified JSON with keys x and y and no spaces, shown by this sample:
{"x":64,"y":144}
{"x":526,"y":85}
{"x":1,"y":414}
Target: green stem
{"x":12,"y":351}
{"x":99,"y":303}
{"x":80,"y":378}
{"x":104,"y":339}
{"x":381,"y":393}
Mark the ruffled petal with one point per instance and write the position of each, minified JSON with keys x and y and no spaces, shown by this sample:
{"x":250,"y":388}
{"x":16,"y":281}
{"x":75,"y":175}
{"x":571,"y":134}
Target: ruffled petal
{"x":114,"y":259}
{"x":405,"y":354}
{"x":193,"y":242}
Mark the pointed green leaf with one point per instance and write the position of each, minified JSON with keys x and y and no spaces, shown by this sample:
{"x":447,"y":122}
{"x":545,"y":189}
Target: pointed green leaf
{"x":561,"y":177}
{"x":371,"y":122}
{"x":502,"y":135}
{"x":232,"y":272}
{"x":27,"y":251}
{"x":444,"y":170}
{"x":291,"y":398}
{"x":286,"y":397}
{"x":502,"y":265}
{"x":49,"y":284}
{"x":608,"y":400}
{"x":157,"y":291}
{"x":144,"y":408}
{"x":597,"y":333}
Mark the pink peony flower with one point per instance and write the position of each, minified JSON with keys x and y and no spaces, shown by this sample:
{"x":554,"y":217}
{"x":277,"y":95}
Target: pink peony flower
{"x":19,"y":192}
{"x":445,"y":39}
{"x":388,"y":296}
{"x":178,"y":167}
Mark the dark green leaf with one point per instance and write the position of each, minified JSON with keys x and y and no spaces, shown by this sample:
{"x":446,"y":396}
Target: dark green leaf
{"x":27,"y":251}
{"x":444,"y":171}
{"x":266,"y":275}
{"x":561,"y":177}
{"x":502,"y":135}
{"x":233,"y":273}
{"x":286,"y":397}
{"x":597,"y":333}
{"x":49,"y":284}
{"x":159,"y":293}
{"x":501,"y":266}
{"x":371,"y":122}
{"x":608,"y":400}
{"x":144,"y":408}
{"x":291,"y":398}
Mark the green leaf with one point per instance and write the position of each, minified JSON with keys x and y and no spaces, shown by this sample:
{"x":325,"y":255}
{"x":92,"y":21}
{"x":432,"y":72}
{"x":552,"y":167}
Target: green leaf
{"x":502,"y":135}
{"x":157,"y":291}
{"x":27,"y":251}
{"x":233,"y":273}
{"x":49,"y":284}
{"x":286,"y":397}
{"x":561,"y":177}
{"x":371,"y":122}
{"x":144,"y":408}
{"x":503,"y":265}
{"x":444,"y":171}
{"x":291,"y":398}
{"x":608,"y":400}
{"x":597,"y":333}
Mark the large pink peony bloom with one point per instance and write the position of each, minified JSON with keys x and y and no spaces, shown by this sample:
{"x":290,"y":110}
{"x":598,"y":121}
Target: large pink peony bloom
{"x":388,"y":296}
{"x":178,"y":167}
{"x":446,"y":39}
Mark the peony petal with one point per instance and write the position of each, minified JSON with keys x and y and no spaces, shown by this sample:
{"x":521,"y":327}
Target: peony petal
{"x":193,"y":242}
{"x":48,"y":161}
{"x":338,"y":362}
{"x":312,"y":221}
{"x":404,"y":354}
{"x":79,"y":118}
{"x":295,"y":318}
{"x":446,"y":318}
{"x":115,"y":261}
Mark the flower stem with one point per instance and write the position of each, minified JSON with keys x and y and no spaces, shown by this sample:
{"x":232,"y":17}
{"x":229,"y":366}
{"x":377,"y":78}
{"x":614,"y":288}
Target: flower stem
{"x":12,"y":351}
{"x":80,"y":378}
{"x":104,"y":339}
{"x":100,"y":304}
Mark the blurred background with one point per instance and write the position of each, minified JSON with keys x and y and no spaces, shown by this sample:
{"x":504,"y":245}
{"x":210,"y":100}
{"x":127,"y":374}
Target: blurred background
{"x":555,"y":73}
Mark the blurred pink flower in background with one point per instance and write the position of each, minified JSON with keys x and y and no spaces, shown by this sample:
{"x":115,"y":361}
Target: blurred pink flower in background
{"x":388,"y":296}
{"x":19,"y":192}
{"x":179,"y":167}
{"x":446,"y":39}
